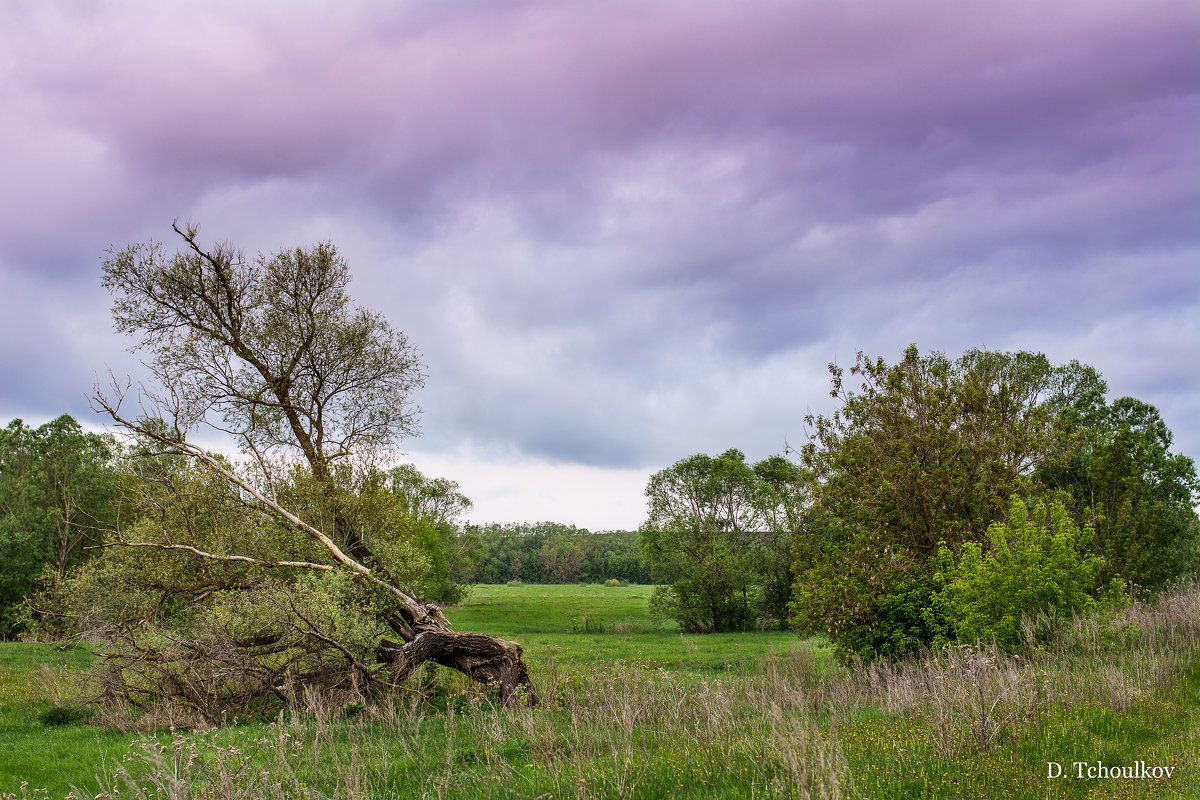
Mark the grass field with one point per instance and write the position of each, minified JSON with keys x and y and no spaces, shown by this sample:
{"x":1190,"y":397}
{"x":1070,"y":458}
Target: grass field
{"x":549,"y":621}
{"x":30,"y":750}
{"x":640,"y":710}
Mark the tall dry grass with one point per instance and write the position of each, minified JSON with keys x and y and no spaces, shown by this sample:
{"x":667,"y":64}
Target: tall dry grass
{"x":613,"y":734}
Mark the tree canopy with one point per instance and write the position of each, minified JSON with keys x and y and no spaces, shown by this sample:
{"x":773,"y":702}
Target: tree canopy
{"x":59,"y":492}
{"x":1138,"y":497}
{"x":718,"y":533}
{"x":927,"y":453}
{"x":275,"y":347}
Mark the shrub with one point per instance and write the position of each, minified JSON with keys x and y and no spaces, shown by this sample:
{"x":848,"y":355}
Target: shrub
{"x":1032,"y":567}
{"x":698,"y":610}
{"x":902,"y":622}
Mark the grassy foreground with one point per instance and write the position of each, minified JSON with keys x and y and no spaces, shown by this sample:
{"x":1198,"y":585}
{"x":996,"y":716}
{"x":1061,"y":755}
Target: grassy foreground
{"x":632,"y":710}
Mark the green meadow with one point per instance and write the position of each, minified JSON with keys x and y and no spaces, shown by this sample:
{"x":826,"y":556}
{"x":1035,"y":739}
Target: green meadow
{"x":587,"y":626}
{"x":633,"y":708}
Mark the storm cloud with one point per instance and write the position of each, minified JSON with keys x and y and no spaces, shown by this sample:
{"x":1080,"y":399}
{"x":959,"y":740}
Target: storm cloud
{"x":624,"y":233}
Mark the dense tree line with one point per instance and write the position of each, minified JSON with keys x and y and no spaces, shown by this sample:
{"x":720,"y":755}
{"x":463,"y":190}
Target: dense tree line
{"x":546,"y":552}
{"x":59,"y":494}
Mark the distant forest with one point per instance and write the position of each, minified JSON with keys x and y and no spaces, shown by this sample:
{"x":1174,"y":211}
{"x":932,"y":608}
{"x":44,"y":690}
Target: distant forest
{"x":545,"y":552}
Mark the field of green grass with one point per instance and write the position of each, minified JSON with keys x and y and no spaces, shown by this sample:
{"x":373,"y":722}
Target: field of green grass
{"x":632,"y":708}
{"x":549,"y":621}
{"x":33,"y":677}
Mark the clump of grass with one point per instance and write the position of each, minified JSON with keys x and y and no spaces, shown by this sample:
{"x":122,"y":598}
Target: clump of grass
{"x":65,"y":685}
{"x":72,"y":695}
{"x":586,"y":624}
{"x":64,"y":715}
{"x":624,"y":627}
{"x":629,"y":625}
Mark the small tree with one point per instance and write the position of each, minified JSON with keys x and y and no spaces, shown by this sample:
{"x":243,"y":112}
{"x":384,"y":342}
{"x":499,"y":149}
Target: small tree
{"x":273,"y":352}
{"x":718,"y":533}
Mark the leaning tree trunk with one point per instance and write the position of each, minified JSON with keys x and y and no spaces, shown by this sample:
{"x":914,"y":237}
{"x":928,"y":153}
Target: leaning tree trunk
{"x":428,"y":636}
{"x":482,"y":657}
{"x":425,"y":630}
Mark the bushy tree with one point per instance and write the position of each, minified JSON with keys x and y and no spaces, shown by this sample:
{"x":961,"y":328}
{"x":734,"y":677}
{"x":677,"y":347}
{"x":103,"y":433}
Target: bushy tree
{"x":1138,"y":497}
{"x":1030,"y":568}
{"x":922,"y":452}
{"x":718,"y":534}
{"x":197,"y":630}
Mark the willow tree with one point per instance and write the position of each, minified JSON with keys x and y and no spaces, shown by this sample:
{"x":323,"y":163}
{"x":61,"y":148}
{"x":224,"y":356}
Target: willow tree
{"x":718,"y":538}
{"x":273,"y":352}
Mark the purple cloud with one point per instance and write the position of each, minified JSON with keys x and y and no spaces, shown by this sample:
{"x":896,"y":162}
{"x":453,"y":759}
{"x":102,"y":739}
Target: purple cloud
{"x":623,"y":233}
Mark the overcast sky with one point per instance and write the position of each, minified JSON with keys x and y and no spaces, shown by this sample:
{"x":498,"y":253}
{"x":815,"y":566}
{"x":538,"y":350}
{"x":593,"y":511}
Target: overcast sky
{"x":622,"y":233}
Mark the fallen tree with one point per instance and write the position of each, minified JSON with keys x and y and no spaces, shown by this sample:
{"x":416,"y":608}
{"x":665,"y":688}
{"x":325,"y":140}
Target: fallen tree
{"x":315,"y":390}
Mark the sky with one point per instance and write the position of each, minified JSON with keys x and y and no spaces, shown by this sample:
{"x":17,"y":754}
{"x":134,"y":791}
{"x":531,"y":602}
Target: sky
{"x":622,"y":233}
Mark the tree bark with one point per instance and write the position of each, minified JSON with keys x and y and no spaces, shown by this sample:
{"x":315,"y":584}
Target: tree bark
{"x":482,"y":657}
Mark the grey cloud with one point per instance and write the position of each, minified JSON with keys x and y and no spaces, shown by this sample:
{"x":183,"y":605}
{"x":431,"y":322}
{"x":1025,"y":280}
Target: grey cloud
{"x":618,"y":230}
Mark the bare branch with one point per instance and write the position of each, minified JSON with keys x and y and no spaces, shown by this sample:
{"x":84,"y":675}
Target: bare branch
{"x":422,"y":613}
{"x":216,"y":556}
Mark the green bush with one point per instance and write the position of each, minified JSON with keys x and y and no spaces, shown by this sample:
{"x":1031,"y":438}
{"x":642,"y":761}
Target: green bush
{"x":699,"y":610}
{"x":901,"y":623}
{"x":1032,"y":568}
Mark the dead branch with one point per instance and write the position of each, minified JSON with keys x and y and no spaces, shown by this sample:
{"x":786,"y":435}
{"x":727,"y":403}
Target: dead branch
{"x":217,"y":557}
